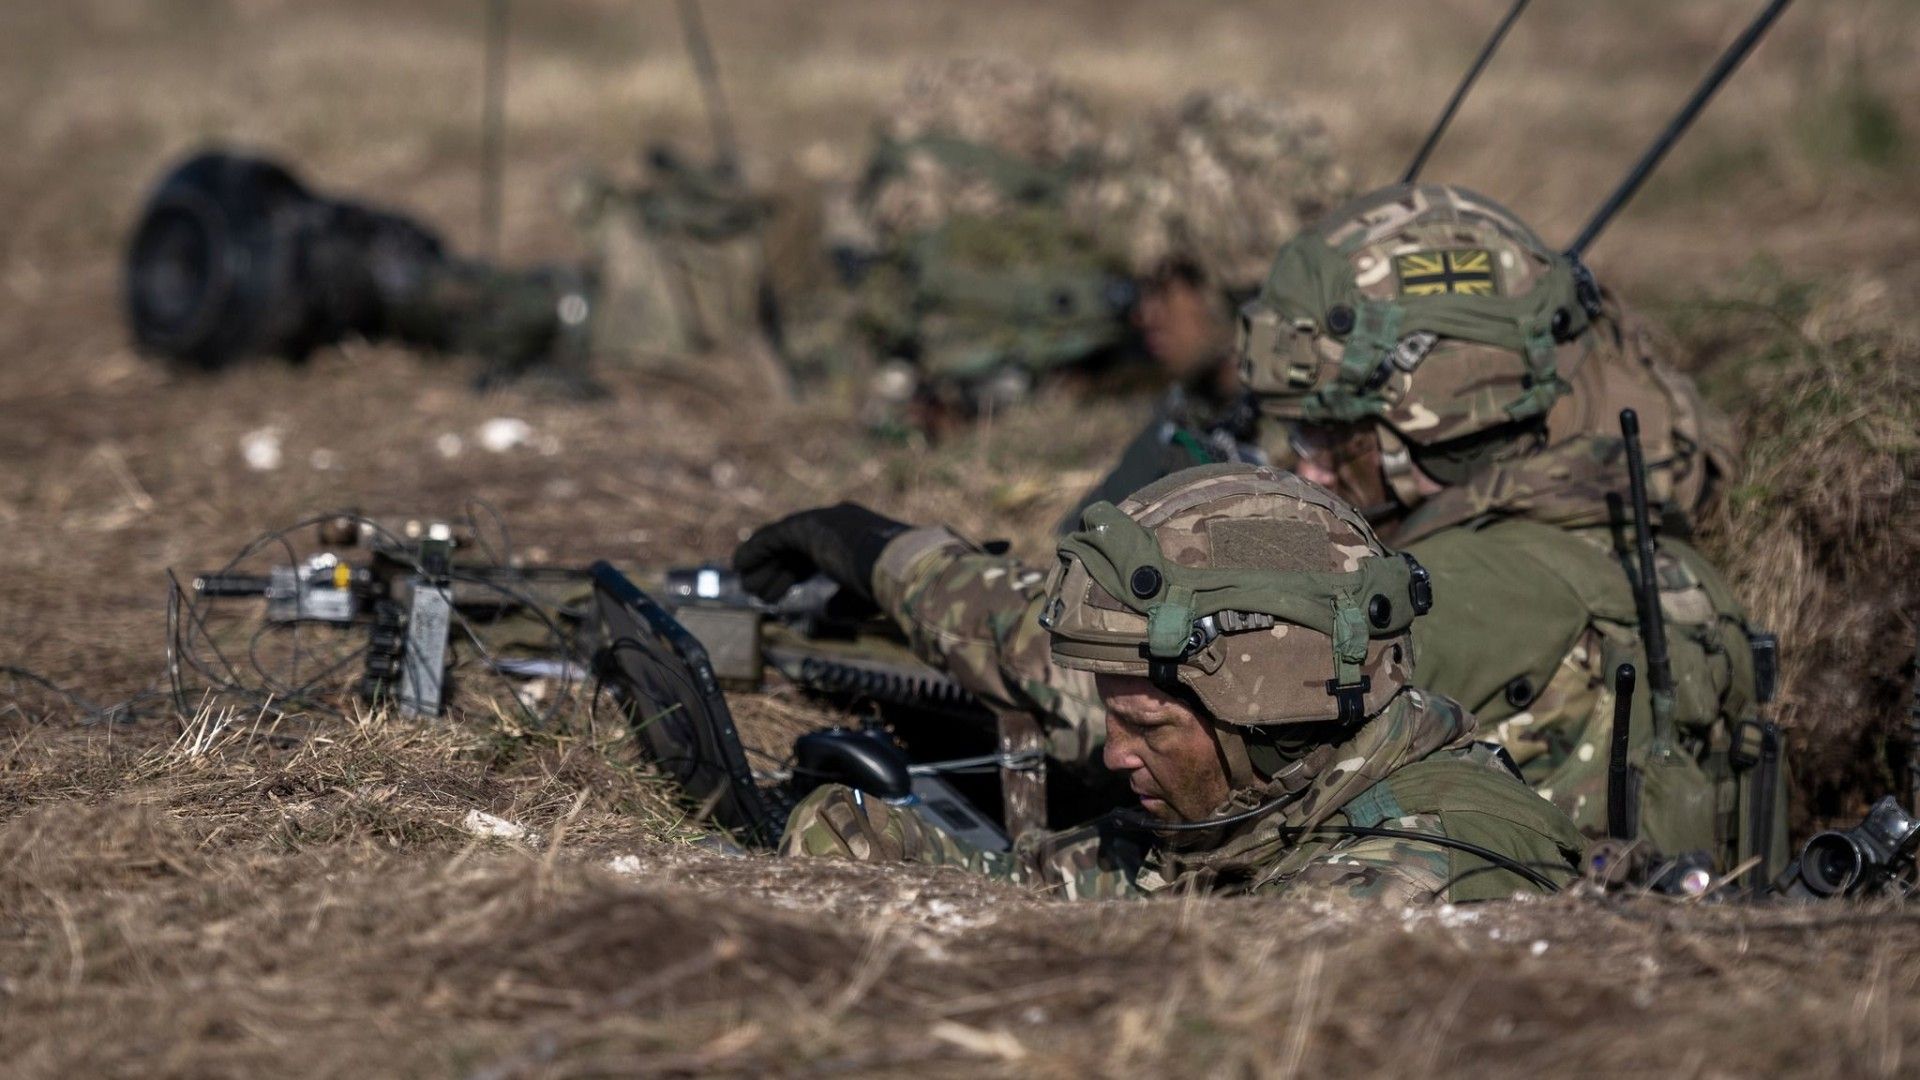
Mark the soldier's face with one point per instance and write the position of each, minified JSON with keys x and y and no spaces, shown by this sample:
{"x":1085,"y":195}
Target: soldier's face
{"x":1179,"y":327}
{"x":1164,"y":748}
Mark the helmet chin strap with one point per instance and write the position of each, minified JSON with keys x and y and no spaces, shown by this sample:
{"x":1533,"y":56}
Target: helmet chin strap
{"x":1396,"y":464}
{"x":1233,"y":751}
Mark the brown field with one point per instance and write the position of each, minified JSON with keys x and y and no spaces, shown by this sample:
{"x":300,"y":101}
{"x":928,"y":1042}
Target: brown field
{"x":179,"y":898}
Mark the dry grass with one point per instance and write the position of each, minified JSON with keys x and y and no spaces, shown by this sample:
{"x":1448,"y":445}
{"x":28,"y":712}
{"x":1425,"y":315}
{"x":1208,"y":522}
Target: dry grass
{"x":1823,"y":533}
{"x":220,"y":896}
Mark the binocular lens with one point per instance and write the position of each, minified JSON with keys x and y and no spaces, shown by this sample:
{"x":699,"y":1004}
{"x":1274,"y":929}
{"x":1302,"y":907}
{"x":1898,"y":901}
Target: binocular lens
{"x":1831,"y":863}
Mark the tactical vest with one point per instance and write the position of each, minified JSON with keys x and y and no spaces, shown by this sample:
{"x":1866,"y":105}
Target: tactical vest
{"x":981,"y":295}
{"x":1528,"y":624}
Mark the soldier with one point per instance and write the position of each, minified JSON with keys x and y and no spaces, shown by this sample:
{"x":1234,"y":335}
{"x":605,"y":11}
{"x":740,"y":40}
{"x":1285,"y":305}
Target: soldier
{"x":1198,"y":202}
{"x":1420,"y":344}
{"x":1416,"y":345}
{"x":999,"y":235}
{"x":967,"y":279}
{"x":1250,"y":641}
{"x":1618,"y":365}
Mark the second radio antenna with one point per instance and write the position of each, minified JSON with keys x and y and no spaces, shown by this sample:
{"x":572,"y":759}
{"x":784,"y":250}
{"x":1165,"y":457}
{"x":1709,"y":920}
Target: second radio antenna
{"x":1460,"y":92}
{"x":1722,"y":69}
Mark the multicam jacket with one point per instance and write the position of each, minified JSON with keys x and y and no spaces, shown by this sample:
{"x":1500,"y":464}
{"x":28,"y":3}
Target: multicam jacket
{"x":1533,"y":610}
{"x":1413,"y":770}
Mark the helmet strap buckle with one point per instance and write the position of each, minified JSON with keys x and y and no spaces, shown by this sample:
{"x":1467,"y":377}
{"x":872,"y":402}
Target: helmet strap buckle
{"x":1351,"y":698}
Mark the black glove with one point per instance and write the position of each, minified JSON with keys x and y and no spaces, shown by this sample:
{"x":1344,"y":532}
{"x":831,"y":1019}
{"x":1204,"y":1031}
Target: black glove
{"x":842,"y":542}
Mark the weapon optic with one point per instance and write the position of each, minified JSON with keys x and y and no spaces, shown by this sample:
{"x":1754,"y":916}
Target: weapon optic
{"x":233,"y":256}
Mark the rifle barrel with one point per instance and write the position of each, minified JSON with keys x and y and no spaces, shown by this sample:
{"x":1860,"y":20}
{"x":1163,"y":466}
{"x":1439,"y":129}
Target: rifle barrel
{"x":726,"y":150}
{"x":1722,"y":69}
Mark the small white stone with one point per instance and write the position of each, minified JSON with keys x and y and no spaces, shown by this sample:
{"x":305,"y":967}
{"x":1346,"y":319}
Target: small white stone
{"x":1538,"y":948}
{"x":449,"y":445}
{"x":1585,"y":752}
{"x":260,"y":449}
{"x":485,"y":825}
{"x":625,"y":865}
{"x":503,"y":433}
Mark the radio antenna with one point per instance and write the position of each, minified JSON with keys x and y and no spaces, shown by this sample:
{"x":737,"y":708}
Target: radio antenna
{"x":1722,"y":69}
{"x":493,"y":108}
{"x":726,"y":150}
{"x":1460,"y":92}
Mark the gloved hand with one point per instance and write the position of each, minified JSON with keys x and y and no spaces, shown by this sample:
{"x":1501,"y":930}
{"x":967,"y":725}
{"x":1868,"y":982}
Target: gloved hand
{"x":842,"y":542}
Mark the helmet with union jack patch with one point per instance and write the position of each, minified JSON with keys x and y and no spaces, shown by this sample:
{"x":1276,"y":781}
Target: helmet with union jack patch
{"x":1428,"y":307}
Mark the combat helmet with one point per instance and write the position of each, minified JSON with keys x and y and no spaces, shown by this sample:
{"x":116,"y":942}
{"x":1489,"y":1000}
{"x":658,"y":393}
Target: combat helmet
{"x":1428,"y":308}
{"x":1263,"y":596}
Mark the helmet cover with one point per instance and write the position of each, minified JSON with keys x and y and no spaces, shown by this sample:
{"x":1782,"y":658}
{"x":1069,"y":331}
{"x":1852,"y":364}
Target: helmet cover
{"x":1428,"y":307}
{"x":1265,"y":595}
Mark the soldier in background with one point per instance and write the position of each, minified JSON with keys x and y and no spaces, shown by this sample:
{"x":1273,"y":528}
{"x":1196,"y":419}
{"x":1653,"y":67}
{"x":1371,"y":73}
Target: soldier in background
{"x":1270,"y":733}
{"x":1200,"y":200}
{"x":999,"y":233}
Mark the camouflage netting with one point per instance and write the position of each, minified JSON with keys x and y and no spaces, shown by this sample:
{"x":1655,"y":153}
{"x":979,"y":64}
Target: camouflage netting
{"x":1220,"y":183}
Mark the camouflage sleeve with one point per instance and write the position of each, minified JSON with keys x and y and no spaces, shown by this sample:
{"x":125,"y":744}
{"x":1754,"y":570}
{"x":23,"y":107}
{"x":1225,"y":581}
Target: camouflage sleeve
{"x":976,"y":617}
{"x":837,"y":822}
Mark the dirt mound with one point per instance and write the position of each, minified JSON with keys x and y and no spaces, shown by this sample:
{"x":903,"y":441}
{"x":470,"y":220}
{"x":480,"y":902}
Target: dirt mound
{"x":1822,"y":538}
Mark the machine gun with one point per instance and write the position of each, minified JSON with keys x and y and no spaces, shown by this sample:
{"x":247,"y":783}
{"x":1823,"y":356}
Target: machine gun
{"x":863,"y":664}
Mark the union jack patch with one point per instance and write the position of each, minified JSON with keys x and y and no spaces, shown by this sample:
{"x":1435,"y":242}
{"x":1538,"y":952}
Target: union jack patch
{"x":1436,"y":273}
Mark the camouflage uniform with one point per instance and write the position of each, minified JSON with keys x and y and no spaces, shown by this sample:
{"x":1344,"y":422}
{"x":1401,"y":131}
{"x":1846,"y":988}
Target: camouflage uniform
{"x":998,"y":231}
{"x":1535,"y":605}
{"x":968,"y":280}
{"x":1617,"y":362}
{"x":1270,"y":553}
{"x":1220,"y":182}
{"x":1215,"y":186}
{"x":1430,"y":317}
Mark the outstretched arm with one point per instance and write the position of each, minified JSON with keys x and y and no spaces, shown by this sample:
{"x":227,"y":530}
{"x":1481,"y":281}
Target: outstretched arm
{"x":976,"y":616}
